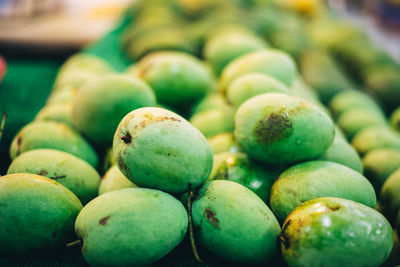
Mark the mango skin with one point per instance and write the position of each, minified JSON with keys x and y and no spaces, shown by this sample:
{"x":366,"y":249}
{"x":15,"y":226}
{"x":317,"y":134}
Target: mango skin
{"x":132,"y":226}
{"x":53,"y":135}
{"x":332,"y":232}
{"x":252,"y":84}
{"x":314,"y":179}
{"x":72,"y":172}
{"x":374,"y":137}
{"x":389,"y":200}
{"x":61,"y":112}
{"x":223,"y":142}
{"x":114,"y":180}
{"x":37,"y":214}
{"x":109,"y":160}
{"x":395,"y":119}
{"x":237,"y":167}
{"x":175,"y":77}
{"x":277,"y":129}
{"x":234,"y":223}
{"x":101,"y":104}
{"x":340,"y":151}
{"x":379,"y":164}
{"x":156,"y":148}
{"x":213,"y":121}
{"x":210,"y":101}
{"x":266,"y":61}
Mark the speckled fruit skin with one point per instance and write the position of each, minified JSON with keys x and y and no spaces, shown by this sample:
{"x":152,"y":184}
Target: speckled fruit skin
{"x":114,"y":180}
{"x":237,"y":167}
{"x":101,"y":104}
{"x":267,"y":61}
{"x":277,"y":129}
{"x":379,"y":164}
{"x":252,"y":84}
{"x":156,"y":148}
{"x":130,"y":227}
{"x":53,"y":135}
{"x":175,"y":77}
{"x":374,"y":137}
{"x":70,"y":171}
{"x":314,"y":179}
{"x":389,"y":200}
{"x":37,"y":214}
{"x":330,"y":232}
{"x":340,"y":151}
{"x":234,"y":223}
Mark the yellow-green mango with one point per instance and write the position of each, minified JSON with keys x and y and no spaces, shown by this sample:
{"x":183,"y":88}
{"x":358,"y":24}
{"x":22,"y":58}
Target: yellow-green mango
{"x":114,"y":180}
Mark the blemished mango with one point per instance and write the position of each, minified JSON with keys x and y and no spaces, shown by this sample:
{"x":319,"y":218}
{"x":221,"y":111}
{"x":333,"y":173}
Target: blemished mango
{"x":114,"y":180}
{"x":72,"y":172}
{"x":130,"y":227}
{"x":332,"y":232}
{"x":277,"y":129}
{"x":53,"y":135}
{"x":234,"y":223}
{"x":157,"y":148}
{"x":314,"y":179}
{"x":101,"y":104}
{"x":273,"y":62}
{"x":37,"y":214}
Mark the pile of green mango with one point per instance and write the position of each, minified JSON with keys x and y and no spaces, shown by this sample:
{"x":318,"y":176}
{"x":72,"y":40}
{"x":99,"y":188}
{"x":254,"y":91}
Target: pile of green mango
{"x":241,"y":130}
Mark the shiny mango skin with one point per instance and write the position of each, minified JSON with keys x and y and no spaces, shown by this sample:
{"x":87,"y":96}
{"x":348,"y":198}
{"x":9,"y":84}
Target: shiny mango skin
{"x":101,"y":104}
{"x":379,"y":164}
{"x":234,"y":223}
{"x":237,"y":167}
{"x":175,"y":77}
{"x":130,"y":227}
{"x":72,"y":172}
{"x":252,"y":84}
{"x":389,"y":198}
{"x":278,"y":129}
{"x":330,"y":232}
{"x":37,"y":214}
{"x":266,"y":61}
{"x":314,"y":179}
{"x":340,"y":151}
{"x":157,"y":148}
{"x":114,"y":180}
{"x":53,"y":135}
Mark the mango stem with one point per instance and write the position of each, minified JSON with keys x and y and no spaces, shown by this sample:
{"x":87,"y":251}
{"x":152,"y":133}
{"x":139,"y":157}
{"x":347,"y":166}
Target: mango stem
{"x":3,"y":122}
{"x":73,"y":244}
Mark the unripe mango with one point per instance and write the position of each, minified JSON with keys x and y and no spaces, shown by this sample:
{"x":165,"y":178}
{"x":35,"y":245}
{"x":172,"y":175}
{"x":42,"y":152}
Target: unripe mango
{"x":114,"y":180}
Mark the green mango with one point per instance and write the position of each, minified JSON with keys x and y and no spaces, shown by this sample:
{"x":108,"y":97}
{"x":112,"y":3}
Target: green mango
{"x":278,"y":129}
{"x":314,"y":179}
{"x":210,"y":101}
{"x":389,"y":198}
{"x":109,"y":160}
{"x":379,"y":164}
{"x":73,"y":78}
{"x":222,"y":48}
{"x":61,"y":112}
{"x":72,"y":172}
{"x":175,"y":77}
{"x":213,"y":121}
{"x":252,"y":84}
{"x":223,"y":142}
{"x":54,"y":135}
{"x":275,"y":63}
{"x":114,"y":180}
{"x":100,"y":105}
{"x":37,"y":214}
{"x":330,"y":232}
{"x":352,"y":99}
{"x":157,"y":148}
{"x":301,"y":89}
{"x":374,"y":137}
{"x":354,"y":120}
{"x":234,"y":223}
{"x":63,"y":96}
{"x":130,"y":227}
{"x":237,"y":167}
{"x":395,"y":119}
{"x":340,"y":151}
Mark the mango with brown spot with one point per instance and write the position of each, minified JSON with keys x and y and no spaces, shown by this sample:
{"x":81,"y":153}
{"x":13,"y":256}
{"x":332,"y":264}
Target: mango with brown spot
{"x":335,"y":232}
{"x":279,"y":129}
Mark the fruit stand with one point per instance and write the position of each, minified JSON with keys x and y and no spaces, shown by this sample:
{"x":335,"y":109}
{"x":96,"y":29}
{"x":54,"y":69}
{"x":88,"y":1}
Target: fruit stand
{"x":204,"y":133}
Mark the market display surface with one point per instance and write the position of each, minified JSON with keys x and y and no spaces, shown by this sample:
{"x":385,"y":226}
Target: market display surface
{"x":211,"y":133}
